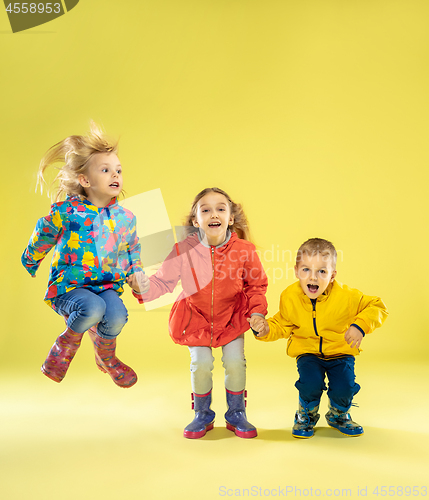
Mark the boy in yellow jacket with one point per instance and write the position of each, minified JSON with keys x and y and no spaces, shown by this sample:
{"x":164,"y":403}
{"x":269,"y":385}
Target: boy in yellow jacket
{"x":324,"y":322}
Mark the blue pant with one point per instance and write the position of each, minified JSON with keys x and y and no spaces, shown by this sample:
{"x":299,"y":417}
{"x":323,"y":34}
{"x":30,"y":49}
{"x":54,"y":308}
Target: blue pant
{"x":85,"y":309}
{"x":341,"y":377}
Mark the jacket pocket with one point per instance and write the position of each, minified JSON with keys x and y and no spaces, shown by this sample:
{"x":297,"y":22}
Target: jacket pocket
{"x":188,"y":323}
{"x":185,"y":320}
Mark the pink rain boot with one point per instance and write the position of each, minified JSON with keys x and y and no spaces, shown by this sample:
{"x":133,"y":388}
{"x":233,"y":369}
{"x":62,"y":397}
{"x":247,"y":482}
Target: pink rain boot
{"x":61,"y":354}
{"x":107,"y":362}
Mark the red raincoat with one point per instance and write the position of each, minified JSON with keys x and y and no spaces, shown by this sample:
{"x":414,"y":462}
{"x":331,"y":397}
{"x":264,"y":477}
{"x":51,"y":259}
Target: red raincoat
{"x":222,"y":287}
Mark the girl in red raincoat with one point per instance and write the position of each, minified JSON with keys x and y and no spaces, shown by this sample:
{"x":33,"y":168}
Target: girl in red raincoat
{"x":224,"y":288}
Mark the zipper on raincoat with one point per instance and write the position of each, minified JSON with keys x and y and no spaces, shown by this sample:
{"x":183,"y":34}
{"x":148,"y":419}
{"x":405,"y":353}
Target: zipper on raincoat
{"x":211,"y":313}
{"x":100,"y":238}
{"x":313,"y":301}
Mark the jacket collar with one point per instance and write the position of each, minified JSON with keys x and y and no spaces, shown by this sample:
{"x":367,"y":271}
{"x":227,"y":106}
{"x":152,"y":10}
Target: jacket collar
{"x":194,"y":241}
{"x":85,"y":201}
{"x":228,"y":237}
{"x":325,"y":295}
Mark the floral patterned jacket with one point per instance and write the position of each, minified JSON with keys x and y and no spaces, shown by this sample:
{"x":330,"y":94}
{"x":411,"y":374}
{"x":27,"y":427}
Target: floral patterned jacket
{"x":95,"y":248}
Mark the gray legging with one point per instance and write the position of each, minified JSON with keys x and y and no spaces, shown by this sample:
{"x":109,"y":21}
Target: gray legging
{"x":233,"y":361}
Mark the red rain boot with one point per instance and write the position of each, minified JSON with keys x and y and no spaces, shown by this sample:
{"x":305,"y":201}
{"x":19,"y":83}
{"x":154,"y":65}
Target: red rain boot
{"x":61,"y":354}
{"x":107,"y":362}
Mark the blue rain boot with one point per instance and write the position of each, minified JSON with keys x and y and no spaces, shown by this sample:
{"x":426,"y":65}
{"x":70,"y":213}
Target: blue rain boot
{"x":204,"y":416}
{"x":235,"y":417}
{"x":342,"y":421}
{"x":305,"y":420}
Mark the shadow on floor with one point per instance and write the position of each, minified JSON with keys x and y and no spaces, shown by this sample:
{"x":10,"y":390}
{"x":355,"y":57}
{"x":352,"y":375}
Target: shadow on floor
{"x":275,"y":434}
{"x":286,"y":434}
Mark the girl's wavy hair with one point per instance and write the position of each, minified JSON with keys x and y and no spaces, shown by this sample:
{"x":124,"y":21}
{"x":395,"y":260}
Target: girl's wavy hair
{"x":76,"y":153}
{"x":240,"y":225}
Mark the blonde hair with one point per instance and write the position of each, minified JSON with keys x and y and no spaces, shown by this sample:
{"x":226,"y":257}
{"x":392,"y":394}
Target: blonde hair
{"x":76,"y":152}
{"x":315,"y":246}
{"x":240,"y":224}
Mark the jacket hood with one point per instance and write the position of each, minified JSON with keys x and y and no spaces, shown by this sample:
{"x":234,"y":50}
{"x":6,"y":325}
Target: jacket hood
{"x":227,"y":238}
{"x":113,"y":203}
{"x":194,"y":242}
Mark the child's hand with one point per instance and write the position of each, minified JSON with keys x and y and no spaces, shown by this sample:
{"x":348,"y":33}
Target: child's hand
{"x":259,"y":324}
{"x":353,"y":336}
{"x":139,"y":282}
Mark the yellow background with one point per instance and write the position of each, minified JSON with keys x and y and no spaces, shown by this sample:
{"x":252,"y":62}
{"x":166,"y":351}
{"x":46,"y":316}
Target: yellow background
{"x":314,"y":115}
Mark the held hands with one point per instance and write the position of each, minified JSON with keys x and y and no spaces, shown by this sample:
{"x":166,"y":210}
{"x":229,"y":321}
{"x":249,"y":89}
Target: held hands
{"x":259,"y":324}
{"x":139,"y":282}
{"x":353,"y":337}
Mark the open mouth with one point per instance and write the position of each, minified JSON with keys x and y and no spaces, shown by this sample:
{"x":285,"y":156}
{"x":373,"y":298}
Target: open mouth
{"x":313,"y":288}
{"x":114,"y":185}
{"x":214,"y":224}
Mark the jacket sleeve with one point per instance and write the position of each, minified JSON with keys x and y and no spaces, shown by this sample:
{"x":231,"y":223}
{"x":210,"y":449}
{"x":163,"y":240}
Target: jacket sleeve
{"x":44,"y":237}
{"x":280,"y":324}
{"x":164,"y":280}
{"x":255,"y":284}
{"x":129,"y":257}
{"x":371,"y":313}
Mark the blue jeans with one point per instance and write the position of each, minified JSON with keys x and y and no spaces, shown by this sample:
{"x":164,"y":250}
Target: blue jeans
{"x":85,"y":309}
{"x":341,"y":377}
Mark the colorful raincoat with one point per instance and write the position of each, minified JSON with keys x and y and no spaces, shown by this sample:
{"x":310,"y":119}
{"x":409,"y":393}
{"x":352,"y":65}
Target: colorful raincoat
{"x":222,"y":287}
{"x":317,"y":326}
{"x":95,"y":248}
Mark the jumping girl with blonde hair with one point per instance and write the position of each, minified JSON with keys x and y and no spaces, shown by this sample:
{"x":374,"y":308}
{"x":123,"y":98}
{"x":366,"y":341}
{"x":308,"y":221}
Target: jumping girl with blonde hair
{"x":95,"y":250}
{"x":224,"y":288}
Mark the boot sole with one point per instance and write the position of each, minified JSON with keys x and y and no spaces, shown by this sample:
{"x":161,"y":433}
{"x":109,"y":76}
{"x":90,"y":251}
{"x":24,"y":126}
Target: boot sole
{"x":198,"y":435}
{"x":245,"y":435}
{"x":126,"y":386}
{"x":121,"y":386}
{"x":344,"y":434}
{"x":302,"y":437}
{"x":55,"y":379}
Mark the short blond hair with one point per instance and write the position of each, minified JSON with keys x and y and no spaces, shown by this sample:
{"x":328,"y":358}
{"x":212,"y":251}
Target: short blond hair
{"x":315,"y":246}
{"x":75,"y":152}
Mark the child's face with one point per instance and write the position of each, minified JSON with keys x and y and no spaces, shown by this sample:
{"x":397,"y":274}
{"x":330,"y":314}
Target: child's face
{"x":315,"y":272}
{"x":103,"y":179}
{"x":213,"y":216}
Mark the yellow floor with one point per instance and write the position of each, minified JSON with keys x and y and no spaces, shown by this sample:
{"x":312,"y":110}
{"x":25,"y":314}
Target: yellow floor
{"x":313,"y":115}
{"x":85,"y":438}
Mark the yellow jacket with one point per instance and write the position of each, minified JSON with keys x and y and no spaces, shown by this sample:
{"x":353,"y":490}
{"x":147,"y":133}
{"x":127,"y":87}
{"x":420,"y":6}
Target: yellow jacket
{"x":318,"y":326}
